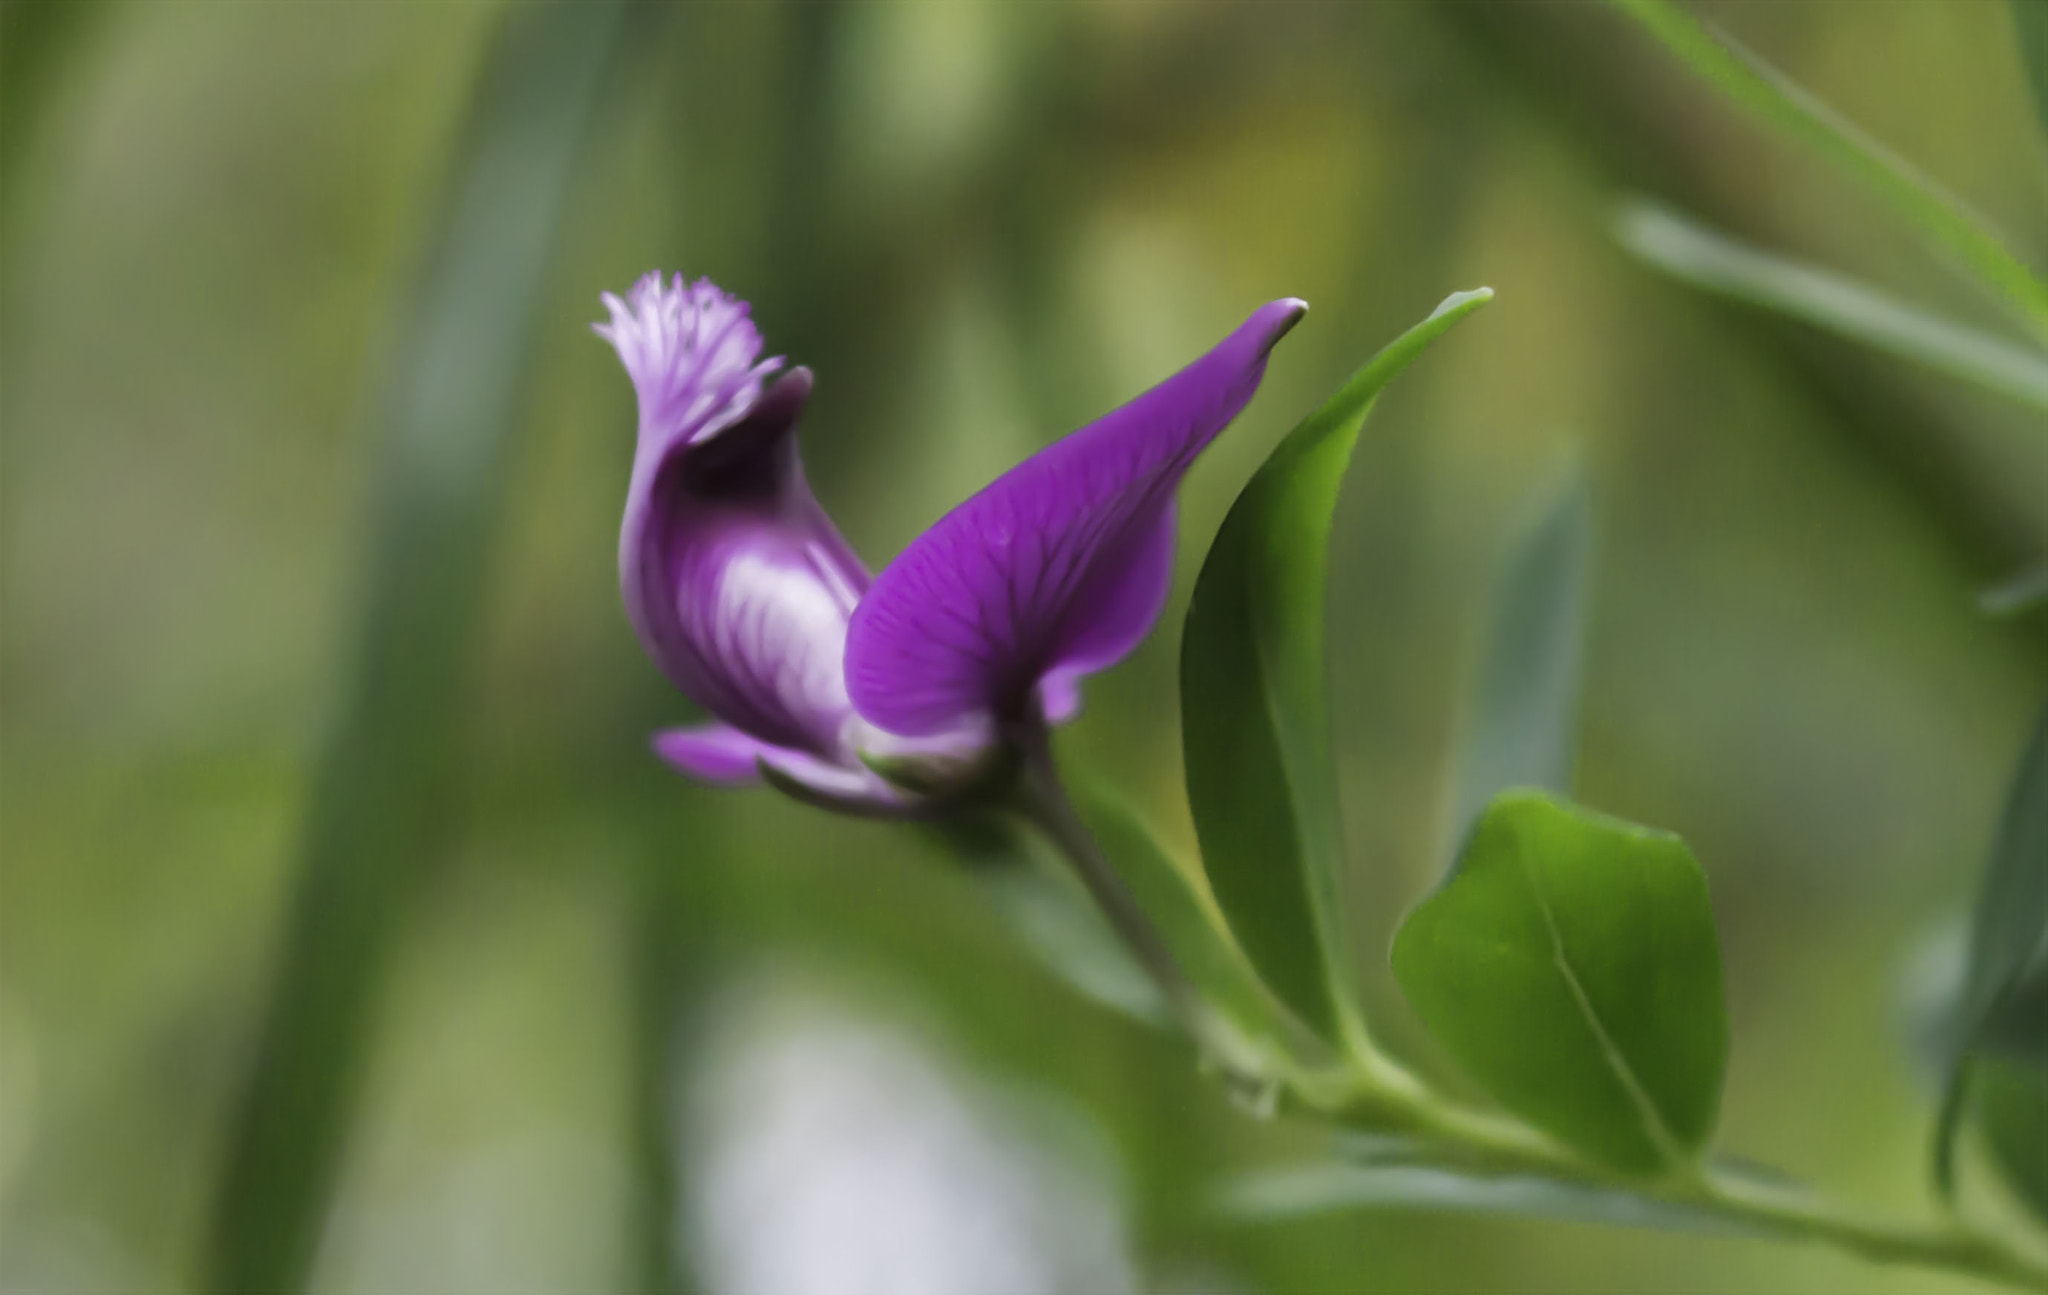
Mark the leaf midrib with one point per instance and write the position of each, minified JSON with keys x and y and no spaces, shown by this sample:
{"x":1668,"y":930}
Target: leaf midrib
{"x":1666,"y":1143}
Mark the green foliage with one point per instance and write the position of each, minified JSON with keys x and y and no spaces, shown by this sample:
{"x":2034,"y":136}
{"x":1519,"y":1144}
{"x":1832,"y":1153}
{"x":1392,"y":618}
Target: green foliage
{"x":1571,"y":966}
{"x":1189,"y":923}
{"x":453,"y":400}
{"x":1942,"y":219}
{"x":2030,"y":29}
{"x":1523,"y":731}
{"x":1324,"y":1188}
{"x":1254,"y":718}
{"x":2008,"y":946}
{"x":1722,"y":265}
{"x":2012,"y":1117}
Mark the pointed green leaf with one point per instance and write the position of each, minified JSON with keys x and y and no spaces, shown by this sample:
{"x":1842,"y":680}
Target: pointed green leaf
{"x":1719,"y":264}
{"x":1254,"y":723}
{"x":1571,"y":966}
{"x":1523,"y":730}
{"x":1942,"y":219}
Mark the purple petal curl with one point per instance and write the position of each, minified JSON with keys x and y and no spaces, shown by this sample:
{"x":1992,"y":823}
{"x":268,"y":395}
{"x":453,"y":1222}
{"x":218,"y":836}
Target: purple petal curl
{"x":735,"y":580}
{"x":1057,"y":569}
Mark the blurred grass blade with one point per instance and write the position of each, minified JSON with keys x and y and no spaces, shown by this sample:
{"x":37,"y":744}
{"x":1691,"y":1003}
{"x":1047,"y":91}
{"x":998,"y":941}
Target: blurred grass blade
{"x":455,"y":392}
{"x":1255,"y":725}
{"x":1524,"y":726}
{"x":2021,"y":591}
{"x":1274,"y":1195}
{"x":2007,"y":933}
{"x":2030,"y":28}
{"x":39,"y":47}
{"x":1712,"y":261}
{"x":1941,"y":217}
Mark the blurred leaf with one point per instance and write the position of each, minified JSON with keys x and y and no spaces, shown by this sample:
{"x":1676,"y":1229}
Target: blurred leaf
{"x":1254,"y":722}
{"x":38,"y":45}
{"x":1188,"y":922}
{"x":1524,"y":726}
{"x":1942,"y":218}
{"x":457,"y":379}
{"x":1052,"y":914}
{"x":2016,"y":1027}
{"x":1276,"y":1194}
{"x":2030,"y":28}
{"x":1571,"y":966}
{"x":2012,"y":1118}
{"x":2007,"y":933}
{"x":1712,"y":261}
{"x":2022,"y":591}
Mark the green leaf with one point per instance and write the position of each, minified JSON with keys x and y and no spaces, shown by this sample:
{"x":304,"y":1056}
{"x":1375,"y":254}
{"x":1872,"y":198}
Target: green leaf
{"x":2011,"y":1115}
{"x":1523,"y":729}
{"x":2016,"y":1027}
{"x":2011,"y":920}
{"x":1276,"y":1194}
{"x":458,"y":381}
{"x":1039,"y":898}
{"x":1176,"y":902}
{"x":2007,"y":937}
{"x":1571,"y":966}
{"x":1052,"y":914}
{"x":1254,"y":722}
{"x":1941,"y":218}
{"x":1720,"y":264}
{"x":2030,"y":27}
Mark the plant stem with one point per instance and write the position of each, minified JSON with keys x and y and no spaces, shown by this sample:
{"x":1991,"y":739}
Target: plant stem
{"x":1041,"y":799}
{"x":1492,"y":1145}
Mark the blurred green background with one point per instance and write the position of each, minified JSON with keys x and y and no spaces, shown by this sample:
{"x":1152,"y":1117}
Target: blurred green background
{"x":310,"y":462}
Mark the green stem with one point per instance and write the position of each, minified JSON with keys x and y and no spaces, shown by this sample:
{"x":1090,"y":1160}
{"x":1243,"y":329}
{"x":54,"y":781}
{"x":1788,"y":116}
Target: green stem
{"x":1490,"y":1144}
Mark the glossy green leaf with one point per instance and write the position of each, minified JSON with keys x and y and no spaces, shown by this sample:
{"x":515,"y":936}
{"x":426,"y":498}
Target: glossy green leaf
{"x":1710,"y":260}
{"x":1308,"y":1190}
{"x":458,"y":379}
{"x":2007,"y":934}
{"x":2011,"y":1116}
{"x":1523,"y":728}
{"x":1571,"y":966}
{"x":1254,"y":722}
{"x":2030,"y":30}
{"x":1941,"y":218}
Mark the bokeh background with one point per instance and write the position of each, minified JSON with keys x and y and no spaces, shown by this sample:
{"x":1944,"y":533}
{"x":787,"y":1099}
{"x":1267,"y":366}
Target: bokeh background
{"x":313,"y":653}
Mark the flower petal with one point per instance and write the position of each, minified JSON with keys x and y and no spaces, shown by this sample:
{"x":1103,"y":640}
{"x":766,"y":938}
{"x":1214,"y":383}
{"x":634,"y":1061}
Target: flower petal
{"x":1056,"y":569}
{"x":738,"y":584}
{"x":723,"y":756}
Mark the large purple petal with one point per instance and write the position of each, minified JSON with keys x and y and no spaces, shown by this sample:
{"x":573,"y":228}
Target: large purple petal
{"x":1055,"y":570}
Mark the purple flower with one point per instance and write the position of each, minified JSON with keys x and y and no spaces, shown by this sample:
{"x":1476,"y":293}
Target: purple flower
{"x":746,"y":595}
